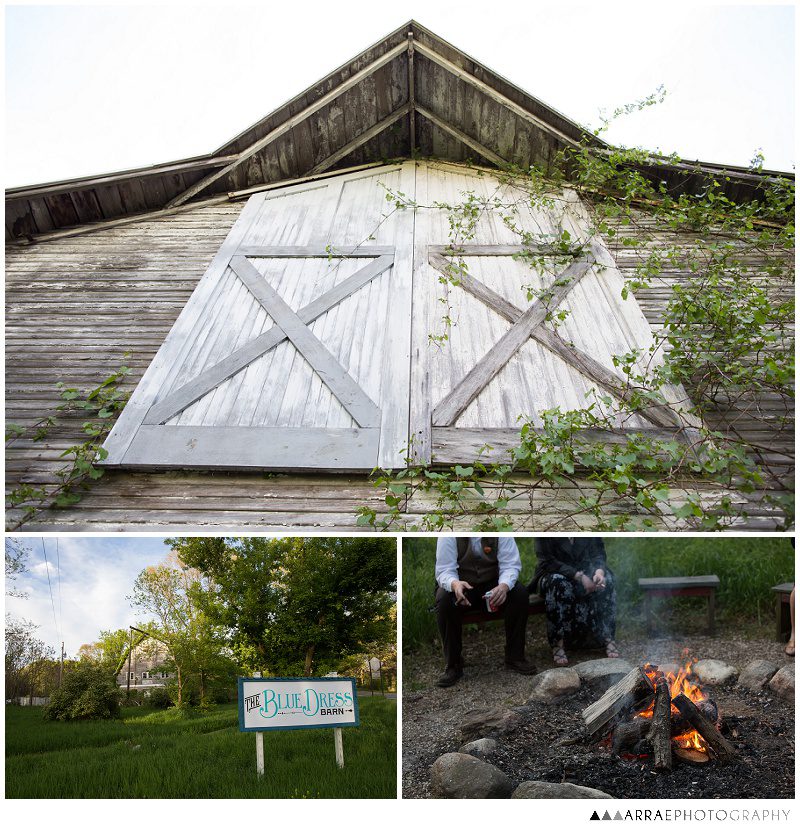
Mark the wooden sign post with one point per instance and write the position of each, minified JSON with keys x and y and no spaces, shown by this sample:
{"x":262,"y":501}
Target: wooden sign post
{"x":338,"y":748}
{"x":297,"y":704}
{"x":260,"y":754}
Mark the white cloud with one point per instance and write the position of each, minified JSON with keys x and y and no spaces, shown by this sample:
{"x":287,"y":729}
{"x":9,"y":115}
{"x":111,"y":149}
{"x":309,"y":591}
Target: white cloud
{"x":43,"y":569}
{"x":97,"y":574}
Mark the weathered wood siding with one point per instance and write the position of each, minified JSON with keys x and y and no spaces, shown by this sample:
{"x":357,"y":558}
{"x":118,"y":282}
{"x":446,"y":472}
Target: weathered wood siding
{"x":74,"y":306}
{"x":764,"y":422}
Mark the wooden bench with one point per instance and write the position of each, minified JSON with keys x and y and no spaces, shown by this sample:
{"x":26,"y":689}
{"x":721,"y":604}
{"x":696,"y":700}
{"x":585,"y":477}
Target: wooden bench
{"x":783,"y":622}
{"x":535,"y":606}
{"x":680,"y":586}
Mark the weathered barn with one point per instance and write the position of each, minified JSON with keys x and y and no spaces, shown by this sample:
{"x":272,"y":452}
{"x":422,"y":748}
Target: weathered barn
{"x":145,"y":670}
{"x":279,"y":299}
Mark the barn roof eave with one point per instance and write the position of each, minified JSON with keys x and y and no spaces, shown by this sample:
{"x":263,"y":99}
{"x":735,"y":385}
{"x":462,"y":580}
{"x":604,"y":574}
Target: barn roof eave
{"x":280,"y":148}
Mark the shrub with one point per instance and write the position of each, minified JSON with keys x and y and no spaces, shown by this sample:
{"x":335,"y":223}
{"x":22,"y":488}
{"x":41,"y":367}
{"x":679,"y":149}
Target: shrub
{"x":88,"y":692}
{"x":134,"y":698}
{"x":158,"y":698}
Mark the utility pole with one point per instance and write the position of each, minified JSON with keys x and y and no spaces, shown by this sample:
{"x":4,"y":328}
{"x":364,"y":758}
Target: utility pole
{"x":130,"y":650}
{"x":61,"y":666}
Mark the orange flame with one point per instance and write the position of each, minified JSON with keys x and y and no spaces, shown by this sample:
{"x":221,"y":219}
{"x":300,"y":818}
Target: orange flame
{"x":680,"y":683}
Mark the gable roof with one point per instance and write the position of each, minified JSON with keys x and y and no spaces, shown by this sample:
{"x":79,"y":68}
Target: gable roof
{"x":411,"y":93}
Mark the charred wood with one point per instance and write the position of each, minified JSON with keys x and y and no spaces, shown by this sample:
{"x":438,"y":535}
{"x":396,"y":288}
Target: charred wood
{"x":627,"y":735}
{"x":633,"y":692}
{"x":660,"y":734}
{"x":718,"y":745}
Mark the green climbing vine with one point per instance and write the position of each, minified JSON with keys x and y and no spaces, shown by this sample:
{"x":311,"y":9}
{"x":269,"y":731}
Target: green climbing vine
{"x":726,"y":270}
{"x":97,"y":409}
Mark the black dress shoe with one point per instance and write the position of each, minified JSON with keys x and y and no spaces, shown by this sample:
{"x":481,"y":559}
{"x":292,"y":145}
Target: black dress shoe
{"x":450,"y":676}
{"x":524,"y":667}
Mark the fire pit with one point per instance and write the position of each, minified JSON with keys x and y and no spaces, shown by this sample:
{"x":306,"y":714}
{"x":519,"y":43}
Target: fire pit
{"x":533,"y":732}
{"x":659,"y":712}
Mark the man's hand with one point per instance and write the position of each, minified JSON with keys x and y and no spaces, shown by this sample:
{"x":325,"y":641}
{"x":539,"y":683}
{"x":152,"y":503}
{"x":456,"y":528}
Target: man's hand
{"x":599,"y":579}
{"x":497,"y":596}
{"x":458,"y":587}
{"x":588,"y":584}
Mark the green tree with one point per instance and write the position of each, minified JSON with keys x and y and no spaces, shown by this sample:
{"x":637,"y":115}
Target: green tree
{"x":297,"y":604}
{"x":110,"y":649}
{"x":24,"y":656}
{"x":172,"y":592}
{"x":17,"y":553}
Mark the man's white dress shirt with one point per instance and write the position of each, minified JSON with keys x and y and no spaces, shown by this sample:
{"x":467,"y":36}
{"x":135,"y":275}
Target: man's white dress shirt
{"x":508,"y":560}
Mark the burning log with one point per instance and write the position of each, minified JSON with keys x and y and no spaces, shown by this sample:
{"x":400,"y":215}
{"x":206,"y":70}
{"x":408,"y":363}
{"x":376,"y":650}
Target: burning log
{"x":660,"y":734}
{"x":634,"y":691}
{"x":688,"y":754}
{"x":628,"y":734}
{"x":721,"y":748}
{"x":709,"y":709}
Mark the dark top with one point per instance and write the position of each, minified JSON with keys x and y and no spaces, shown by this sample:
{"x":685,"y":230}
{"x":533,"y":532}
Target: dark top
{"x":559,"y":555}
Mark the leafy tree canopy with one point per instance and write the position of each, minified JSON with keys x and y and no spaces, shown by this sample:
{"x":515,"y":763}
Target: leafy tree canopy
{"x":297,"y":605}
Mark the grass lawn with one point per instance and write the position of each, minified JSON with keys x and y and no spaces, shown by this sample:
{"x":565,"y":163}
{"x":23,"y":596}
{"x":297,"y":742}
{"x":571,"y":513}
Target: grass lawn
{"x":157,"y":754}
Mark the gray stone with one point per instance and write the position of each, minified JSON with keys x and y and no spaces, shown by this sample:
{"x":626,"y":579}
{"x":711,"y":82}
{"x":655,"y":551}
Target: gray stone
{"x":757,"y":674}
{"x":480,"y":723}
{"x":557,"y":790}
{"x":782,"y":683}
{"x":602,"y":673}
{"x":459,"y":776}
{"x":714,"y":672}
{"x":553,"y":685}
{"x":480,"y":747}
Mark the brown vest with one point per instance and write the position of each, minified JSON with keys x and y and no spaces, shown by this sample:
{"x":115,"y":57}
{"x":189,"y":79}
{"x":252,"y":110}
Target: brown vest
{"x":478,"y":570}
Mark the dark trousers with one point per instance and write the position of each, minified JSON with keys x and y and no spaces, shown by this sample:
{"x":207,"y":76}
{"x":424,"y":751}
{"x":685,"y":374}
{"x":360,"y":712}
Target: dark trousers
{"x":448,"y":616}
{"x":576,"y":617}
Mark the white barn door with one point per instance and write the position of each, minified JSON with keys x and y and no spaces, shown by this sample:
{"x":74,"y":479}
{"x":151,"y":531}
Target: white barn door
{"x":293,"y":351}
{"x":306,"y":345}
{"x":508,"y":356}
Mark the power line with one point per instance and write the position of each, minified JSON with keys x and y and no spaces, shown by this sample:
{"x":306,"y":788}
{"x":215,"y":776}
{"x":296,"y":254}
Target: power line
{"x":60,"y":607}
{"x":50,"y":585}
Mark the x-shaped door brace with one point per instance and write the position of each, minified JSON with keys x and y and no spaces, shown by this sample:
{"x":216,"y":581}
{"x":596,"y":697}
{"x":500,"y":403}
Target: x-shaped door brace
{"x":529,"y":324}
{"x":290,"y":325}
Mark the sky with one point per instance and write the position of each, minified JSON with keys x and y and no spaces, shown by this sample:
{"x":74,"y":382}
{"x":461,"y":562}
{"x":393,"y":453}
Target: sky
{"x":98,"y":88}
{"x":88,"y":591}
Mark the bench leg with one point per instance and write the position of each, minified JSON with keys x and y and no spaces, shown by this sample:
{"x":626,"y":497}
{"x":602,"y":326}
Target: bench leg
{"x":712,"y":606}
{"x":783,"y":621}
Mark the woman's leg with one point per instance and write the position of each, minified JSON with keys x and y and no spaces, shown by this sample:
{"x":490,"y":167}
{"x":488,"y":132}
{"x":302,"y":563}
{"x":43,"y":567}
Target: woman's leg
{"x":602,"y":615}
{"x":559,"y":603}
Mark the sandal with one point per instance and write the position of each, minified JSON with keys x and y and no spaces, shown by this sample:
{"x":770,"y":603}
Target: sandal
{"x":611,"y":649}
{"x":560,"y":656}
